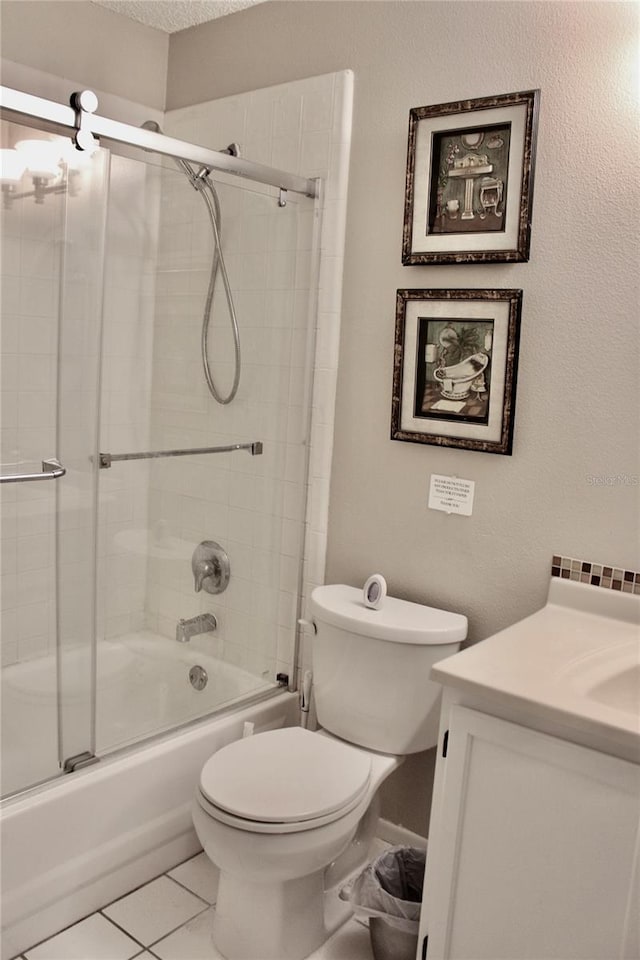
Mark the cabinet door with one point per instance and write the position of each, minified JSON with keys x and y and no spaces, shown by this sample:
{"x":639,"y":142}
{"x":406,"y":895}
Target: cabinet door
{"x":533,"y":852}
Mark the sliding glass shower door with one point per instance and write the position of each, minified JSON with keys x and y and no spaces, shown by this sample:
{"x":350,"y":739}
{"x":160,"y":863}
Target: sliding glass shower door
{"x":52,"y":230}
{"x":145,"y":583}
{"x":187,"y":647}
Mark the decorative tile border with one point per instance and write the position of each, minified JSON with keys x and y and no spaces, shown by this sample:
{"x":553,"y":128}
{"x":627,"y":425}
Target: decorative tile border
{"x":596,"y":574}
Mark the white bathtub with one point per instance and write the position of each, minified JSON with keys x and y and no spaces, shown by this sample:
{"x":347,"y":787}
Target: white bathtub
{"x":85,"y":839}
{"x":142,"y":689}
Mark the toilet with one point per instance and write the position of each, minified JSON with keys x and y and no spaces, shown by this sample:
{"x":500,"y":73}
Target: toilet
{"x":286,"y":814}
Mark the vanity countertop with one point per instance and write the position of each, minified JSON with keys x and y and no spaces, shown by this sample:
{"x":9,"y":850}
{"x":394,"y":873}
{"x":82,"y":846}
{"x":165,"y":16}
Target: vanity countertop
{"x":575,"y":661}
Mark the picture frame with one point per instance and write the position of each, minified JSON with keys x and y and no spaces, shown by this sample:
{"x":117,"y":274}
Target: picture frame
{"x":455,"y":368}
{"x":469,"y":182}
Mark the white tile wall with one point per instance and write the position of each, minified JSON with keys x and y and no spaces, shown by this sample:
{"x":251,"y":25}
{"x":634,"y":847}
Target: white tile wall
{"x":125,"y":416}
{"x":327,"y":342}
{"x":234,"y":499}
{"x":253,"y":506}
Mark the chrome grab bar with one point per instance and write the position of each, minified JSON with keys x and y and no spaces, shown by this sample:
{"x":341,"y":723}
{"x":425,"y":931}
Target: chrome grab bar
{"x":51,"y":470}
{"x":106,"y":459}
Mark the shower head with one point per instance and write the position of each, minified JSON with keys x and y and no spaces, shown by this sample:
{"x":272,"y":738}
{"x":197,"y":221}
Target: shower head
{"x":182,"y":165}
{"x":197,"y":178}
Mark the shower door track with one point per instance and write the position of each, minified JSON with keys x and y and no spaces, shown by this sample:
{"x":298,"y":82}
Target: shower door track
{"x":86,"y":126}
{"x":106,"y":459}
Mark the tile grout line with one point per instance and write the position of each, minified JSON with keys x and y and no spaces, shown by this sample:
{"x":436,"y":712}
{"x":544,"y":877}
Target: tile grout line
{"x":188,"y":889}
{"x":58,"y":933}
{"x":174,"y":929}
{"x":128,"y":894}
{"x":121,"y":929}
{"x":143,"y":947}
{"x":100,"y":911}
{"x":145,"y":884}
{"x":180,"y":925}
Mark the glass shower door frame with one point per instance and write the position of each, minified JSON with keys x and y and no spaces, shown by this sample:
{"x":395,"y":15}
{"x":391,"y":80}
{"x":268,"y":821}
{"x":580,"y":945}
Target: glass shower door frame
{"x":78,"y":412}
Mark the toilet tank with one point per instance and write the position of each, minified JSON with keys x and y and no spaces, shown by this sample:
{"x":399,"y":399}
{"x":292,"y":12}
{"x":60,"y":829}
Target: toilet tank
{"x":371,"y":668}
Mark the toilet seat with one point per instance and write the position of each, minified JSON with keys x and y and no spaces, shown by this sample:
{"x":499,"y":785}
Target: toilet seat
{"x":283,"y":781}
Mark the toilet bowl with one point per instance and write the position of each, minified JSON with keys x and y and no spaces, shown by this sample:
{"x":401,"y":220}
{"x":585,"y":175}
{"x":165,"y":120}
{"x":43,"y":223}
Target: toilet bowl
{"x":286,"y":814}
{"x":273,"y":811}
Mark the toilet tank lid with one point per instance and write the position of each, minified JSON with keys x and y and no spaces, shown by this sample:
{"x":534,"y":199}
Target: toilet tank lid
{"x":398,"y":621}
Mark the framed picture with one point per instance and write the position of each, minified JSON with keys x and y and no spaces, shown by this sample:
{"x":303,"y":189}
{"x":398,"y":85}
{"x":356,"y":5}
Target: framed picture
{"x":469,"y":187}
{"x":455,"y":366}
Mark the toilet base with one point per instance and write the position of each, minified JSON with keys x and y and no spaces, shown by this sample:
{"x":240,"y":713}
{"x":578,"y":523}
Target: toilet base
{"x":282,"y":921}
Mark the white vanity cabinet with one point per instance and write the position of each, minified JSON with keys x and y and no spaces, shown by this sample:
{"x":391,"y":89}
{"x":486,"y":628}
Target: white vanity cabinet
{"x":534,"y":839}
{"x":532,"y":848}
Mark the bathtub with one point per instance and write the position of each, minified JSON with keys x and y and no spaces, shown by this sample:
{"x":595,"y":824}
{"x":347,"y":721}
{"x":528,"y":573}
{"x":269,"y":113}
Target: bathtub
{"x":72,"y":845}
{"x":142,"y":689}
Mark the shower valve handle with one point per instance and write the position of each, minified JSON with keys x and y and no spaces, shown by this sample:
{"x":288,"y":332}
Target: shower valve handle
{"x":204,"y":571}
{"x":211,"y":567}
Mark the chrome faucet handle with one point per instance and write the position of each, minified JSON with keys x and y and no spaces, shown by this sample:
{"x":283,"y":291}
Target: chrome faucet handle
{"x":202,"y":572}
{"x":211,"y":567}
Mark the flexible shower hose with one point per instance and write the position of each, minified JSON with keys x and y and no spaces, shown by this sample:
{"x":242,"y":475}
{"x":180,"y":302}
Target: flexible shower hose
{"x":200,"y":181}
{"x":208,"y":191}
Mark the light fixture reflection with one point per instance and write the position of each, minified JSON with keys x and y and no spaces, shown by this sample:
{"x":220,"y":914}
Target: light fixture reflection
{"x":54,"y":167}
{"x":42,"y":157}
{"x":12,"y":166}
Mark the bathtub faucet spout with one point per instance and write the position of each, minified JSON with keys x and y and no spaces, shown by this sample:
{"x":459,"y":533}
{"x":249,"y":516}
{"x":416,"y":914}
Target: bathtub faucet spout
{"x":204,"y":623}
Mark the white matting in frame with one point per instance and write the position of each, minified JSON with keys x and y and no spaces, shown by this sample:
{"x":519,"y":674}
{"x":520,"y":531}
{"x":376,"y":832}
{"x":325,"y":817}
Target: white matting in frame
{"x":469,"y":182}
{"x":455,"y":368}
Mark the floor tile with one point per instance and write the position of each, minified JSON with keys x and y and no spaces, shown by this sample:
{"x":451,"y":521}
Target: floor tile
{"x":154,"y":910}
{"x":350,"y":942}
{"x":190,"y":942}
{"x":92,"y":939}
{"x":199,"y":875}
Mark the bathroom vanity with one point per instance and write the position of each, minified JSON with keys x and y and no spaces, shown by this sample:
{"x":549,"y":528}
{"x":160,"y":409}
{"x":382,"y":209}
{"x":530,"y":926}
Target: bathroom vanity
{"x":534,"y":841}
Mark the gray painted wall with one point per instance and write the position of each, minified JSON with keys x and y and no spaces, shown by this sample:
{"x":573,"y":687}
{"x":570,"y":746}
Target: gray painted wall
{"x":74,"y":38}
{"x":577,"y":401}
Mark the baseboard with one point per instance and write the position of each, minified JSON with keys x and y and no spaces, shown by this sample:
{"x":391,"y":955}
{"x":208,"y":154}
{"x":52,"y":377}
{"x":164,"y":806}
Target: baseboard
{"x":399,"y":836}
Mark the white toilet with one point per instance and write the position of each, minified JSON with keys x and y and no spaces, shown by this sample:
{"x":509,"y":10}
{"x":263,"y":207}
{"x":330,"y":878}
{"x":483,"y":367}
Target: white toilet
{"x":288,"y":813}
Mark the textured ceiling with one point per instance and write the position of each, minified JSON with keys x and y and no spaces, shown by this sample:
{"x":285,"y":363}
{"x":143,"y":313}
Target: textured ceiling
{"x":174,"y":15}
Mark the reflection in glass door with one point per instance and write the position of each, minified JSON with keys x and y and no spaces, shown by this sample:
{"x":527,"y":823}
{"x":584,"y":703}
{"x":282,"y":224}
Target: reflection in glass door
{"x":108,"y":637}
{"x":52,"y":226}
{"x":183,"y":648}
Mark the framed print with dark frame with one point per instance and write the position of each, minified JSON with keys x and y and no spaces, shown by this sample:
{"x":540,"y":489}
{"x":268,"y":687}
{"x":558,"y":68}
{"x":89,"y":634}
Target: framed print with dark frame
{"x":455,"y":368}
{"x":469,"y":185}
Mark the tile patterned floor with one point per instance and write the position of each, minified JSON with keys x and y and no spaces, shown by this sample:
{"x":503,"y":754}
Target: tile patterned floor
{"x":170,"y":918}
